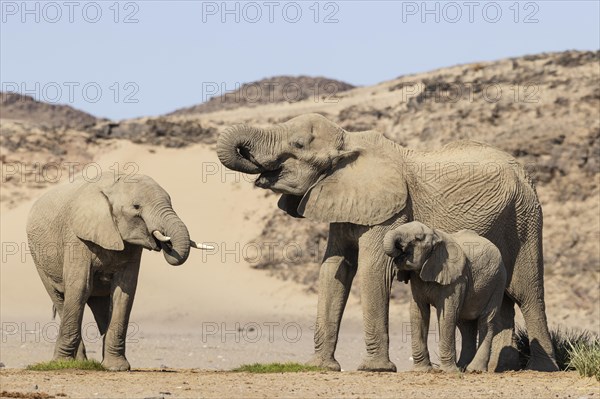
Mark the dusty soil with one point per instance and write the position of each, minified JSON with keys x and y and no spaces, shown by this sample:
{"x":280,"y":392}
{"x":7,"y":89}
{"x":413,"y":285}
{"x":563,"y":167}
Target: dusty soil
{"x":147,"y":383}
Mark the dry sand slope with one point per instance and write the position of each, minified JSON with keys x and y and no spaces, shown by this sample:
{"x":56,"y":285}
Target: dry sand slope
{"x":214,"y":311}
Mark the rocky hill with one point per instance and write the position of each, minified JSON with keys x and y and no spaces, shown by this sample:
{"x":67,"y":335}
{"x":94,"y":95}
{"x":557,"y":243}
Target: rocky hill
{"x":544,"y":109}
{"x":18,"y":107}
{"x":279,"y":89}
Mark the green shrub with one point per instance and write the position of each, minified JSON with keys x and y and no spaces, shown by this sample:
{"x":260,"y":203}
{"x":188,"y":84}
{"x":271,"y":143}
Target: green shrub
{"x":585,"y":358}
{"x":573,"y":349}
{"x":66,"y":365}
{"x":276,"y":368}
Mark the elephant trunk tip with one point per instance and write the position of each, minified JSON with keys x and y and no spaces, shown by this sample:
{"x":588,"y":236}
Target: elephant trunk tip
{"x":391,"y":246}
{"x":174,"y":240}
{"x":173,"y":257}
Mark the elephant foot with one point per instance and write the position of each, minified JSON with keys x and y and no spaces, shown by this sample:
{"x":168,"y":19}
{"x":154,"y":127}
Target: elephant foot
{"x":504,"y":355}
{"x":328,"y":363}
{"x":449,"y":368}
{"x":377,"y":365}
{"x":476,"y":368}
{"x":422,"y":367}
{"x":62,"y":352}
{"x":539,"y":363}
{"x":116,"y":363}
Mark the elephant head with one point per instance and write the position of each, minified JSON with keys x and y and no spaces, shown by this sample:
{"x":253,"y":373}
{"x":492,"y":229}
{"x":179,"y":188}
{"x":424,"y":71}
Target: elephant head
{"x":135,"y":210}
{"x":430,"y":253}
{"x":323,"y":172}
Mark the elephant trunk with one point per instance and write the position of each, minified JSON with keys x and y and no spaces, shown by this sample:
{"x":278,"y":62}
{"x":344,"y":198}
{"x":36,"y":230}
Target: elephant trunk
{"x":177,"y":248}
{"x":248,"y":149}
{"x":389,"y":244}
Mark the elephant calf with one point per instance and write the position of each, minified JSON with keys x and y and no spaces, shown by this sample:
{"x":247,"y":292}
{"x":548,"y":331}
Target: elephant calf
{"x":86,"y":239}
{"x":463,"y":277}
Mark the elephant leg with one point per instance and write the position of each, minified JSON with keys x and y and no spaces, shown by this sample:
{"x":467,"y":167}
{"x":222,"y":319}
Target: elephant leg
{"x":489,"y":324}
{"x":468,"y":333}
{"x":335,"y":280}
{"x":376,"y":277}
{"x":58,"y":302}
{"x":540,"y":344}
{"x":505,"y":355}
{"x":78,"y":284}
{"x":447,"y":319}
{"x":486,"y":335}
{"x":123,"y":287}
{"x":529,"y":267}
{"x":81,"y":353}
{"x":419,"y":321}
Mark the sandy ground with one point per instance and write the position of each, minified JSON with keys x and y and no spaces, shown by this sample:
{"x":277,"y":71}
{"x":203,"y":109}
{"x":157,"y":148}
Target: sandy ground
{"x":216,"y":313}
{"x":206,"y":384}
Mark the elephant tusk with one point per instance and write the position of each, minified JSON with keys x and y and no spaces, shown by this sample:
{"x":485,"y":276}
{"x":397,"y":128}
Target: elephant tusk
{"x":158,"y":235}
{"x":200,"y":246}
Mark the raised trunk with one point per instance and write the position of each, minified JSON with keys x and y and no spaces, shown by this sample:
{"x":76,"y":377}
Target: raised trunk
{"x":248,"y":150}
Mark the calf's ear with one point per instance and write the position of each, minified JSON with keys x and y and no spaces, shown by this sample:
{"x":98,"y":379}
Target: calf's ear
{"x":446,"y":263}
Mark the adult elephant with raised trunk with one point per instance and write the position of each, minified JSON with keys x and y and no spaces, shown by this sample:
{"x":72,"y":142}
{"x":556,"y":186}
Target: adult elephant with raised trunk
{"x":86,"y":238}
{"x":364,"y":185}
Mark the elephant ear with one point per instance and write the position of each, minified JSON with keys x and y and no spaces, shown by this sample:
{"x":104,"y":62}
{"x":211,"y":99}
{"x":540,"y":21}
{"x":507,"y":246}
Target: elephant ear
{"x":446,"y":263}
{"x":92,"y":219}
{"x":365,"y":187}
{"x":289,"y":203}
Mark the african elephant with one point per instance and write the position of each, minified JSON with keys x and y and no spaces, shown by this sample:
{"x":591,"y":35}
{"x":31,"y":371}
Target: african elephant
{"x":86,"y":239}
{"x":463,"y":277}
{"x":365,"y":185}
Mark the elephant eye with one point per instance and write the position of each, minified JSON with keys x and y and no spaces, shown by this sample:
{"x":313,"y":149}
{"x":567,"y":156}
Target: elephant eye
{"x":136,"y":206}
{"x":298,"y":144}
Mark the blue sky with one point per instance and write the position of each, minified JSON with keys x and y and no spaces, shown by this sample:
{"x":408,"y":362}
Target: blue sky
{"x":133,"y":58}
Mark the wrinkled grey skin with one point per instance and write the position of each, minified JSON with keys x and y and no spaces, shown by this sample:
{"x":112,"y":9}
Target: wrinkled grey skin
{"x":462,"y":276}
{"x":365,"y":185}
{"x":86,"y":240}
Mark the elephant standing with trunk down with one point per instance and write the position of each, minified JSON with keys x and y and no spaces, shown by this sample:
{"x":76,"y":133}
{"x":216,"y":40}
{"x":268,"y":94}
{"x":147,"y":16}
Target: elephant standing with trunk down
{"x":86,"y":239}
{"x":365,"y":185}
